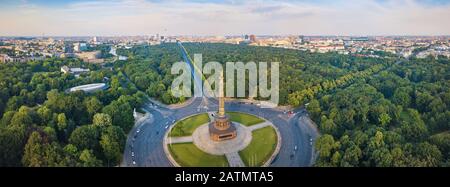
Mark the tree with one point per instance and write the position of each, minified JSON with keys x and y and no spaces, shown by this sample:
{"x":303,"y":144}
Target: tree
{"x":427,"y":155}
{"x":314,"y":108}
{"x":102,"y":120}
{"x":401,"y":97}
{"x":325,"y":144}
{"x":93,"y":105}
{"x":382,"y":157}
{"x":12,"y":143}
{"x":88,"y":159}
{"x":412,"y":126}
{"x":111,"y":149}
{"x":23,"y":117}
{"x":377,"y":141}
{"x":328,"y":126}
{"x":71,"y":155}
{"x":352,"y":155}
{"x":384,"y":119}
{"x":6,"y":119}
{"x":85,"y":137}
{"x":45,"y":114}
{"x":34,"y":151}
{"x":62,"y":121}
{"x":113,"y":143}
{"x":336,"y":159}
{"x":121,"y":114}
{"x":398,"y":158}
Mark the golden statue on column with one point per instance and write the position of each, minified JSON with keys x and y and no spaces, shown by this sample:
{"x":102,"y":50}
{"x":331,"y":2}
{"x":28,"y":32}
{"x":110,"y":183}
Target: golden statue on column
{"x":221,"y":128}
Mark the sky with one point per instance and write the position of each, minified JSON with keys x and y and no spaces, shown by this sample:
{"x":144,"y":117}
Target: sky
{"x":223,"y":17}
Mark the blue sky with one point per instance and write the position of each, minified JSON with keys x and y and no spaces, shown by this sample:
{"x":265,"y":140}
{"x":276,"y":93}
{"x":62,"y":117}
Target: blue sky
{"x":224,"y":17}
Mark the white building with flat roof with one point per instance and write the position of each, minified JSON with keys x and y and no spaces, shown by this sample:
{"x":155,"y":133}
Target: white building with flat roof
{"x":89,"y":88}
{"x":75,"y":71}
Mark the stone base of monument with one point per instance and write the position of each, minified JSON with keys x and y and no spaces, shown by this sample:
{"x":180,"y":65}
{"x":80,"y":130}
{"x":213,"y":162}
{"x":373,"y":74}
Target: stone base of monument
{"x":203,"y":141}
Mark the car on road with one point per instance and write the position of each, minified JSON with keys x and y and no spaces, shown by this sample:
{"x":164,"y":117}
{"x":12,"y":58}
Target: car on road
{"x":139,"y":130}
{"x":134,"y":162}
{"x":173,"y":121}
{"x":295,"y":148}
{"x":167,"y":126}
{"x":311,"y":141}
{"x":132,"y":153}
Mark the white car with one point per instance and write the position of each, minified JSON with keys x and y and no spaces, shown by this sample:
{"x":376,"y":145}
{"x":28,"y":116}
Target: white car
{"x":139,"y":130}
{"x":167,"y":126}
{"x":134,"y":162}
{"x":295,"y":148}
{"x":132,"y":154}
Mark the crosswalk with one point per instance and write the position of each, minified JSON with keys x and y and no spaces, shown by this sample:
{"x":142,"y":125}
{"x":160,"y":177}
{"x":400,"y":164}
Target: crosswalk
{"x":234,"y":159}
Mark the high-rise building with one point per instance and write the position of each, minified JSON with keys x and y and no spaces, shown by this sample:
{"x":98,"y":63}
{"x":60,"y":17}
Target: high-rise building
{"x":68,"y":47}
{"x":252,"y":38}
{"x":300,"y":39}
{"x":78,"y":47}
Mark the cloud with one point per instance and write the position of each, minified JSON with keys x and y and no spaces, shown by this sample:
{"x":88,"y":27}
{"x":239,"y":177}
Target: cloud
{"x":202,"y":17}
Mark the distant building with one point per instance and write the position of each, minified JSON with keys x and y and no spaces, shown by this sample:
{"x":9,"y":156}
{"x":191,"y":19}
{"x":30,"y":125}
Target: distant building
{"x":68,"y":47}
{"x":300,"y":39}
{"x":247,"y":39}
{"x":78,"y":47}
{"x":4,"y":58}
{"x":89,"y":88}
{"x":91,"y":56}
{"x":252,"y":38}
{"x":66,"y":69}
{"x":360,"y":39}
{"x":123,"y":58}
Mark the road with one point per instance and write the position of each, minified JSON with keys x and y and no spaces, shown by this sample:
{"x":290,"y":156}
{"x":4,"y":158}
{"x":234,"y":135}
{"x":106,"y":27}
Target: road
{"x":144,"y":146}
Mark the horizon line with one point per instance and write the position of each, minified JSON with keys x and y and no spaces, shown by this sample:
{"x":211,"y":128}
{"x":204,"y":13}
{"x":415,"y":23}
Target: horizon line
{"x":231,"y":35}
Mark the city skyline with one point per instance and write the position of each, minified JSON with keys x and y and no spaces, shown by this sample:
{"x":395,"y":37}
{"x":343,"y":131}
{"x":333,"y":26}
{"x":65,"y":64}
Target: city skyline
{"x":224,"y":17}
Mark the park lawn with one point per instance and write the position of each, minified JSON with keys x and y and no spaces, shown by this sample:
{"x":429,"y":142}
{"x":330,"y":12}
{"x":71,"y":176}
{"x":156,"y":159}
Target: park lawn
{"x":244,"y":119}
{"x":262,"y":146}
{"x":187,"y":126}
{"x":188,"y":155}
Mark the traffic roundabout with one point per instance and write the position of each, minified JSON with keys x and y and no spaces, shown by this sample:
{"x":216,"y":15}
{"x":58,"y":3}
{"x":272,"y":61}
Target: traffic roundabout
{"x":188,"y":143}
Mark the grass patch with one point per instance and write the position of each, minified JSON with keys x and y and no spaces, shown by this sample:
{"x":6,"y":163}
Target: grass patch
{"x":244,"y":119}
{"x":187,"y":126}
{"x":261,"y":147}
{"x":188,"y":155}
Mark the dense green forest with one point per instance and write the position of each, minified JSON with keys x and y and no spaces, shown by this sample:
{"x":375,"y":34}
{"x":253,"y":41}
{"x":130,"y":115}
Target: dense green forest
{"x":42,"y":125}
{"x":370,"y":111}
{"x":398,"y":117}
{"x":148,"y":68}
